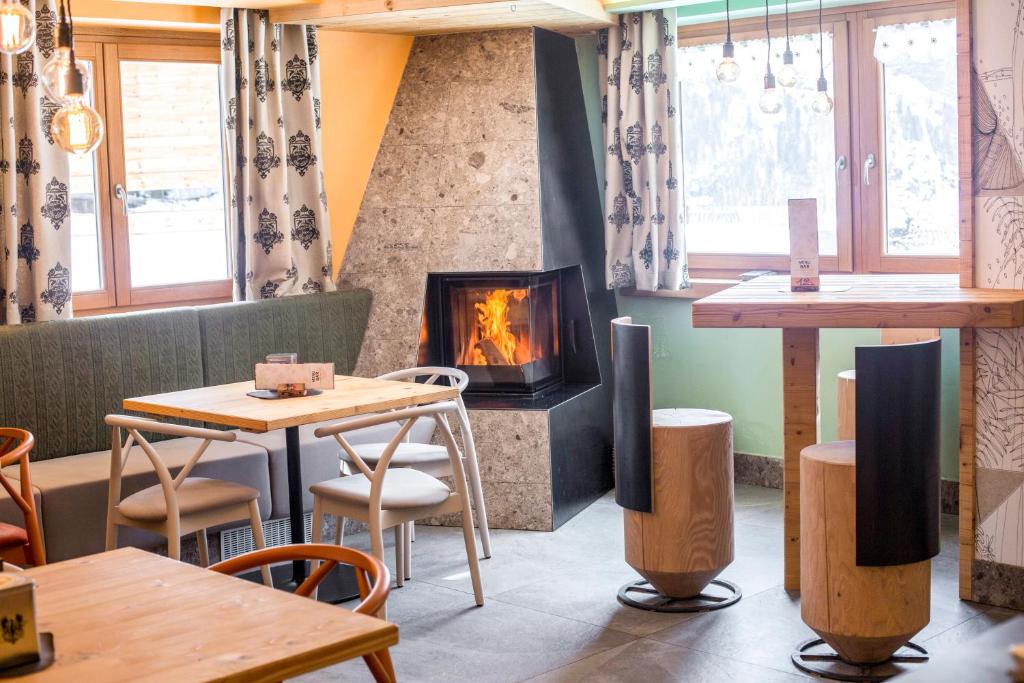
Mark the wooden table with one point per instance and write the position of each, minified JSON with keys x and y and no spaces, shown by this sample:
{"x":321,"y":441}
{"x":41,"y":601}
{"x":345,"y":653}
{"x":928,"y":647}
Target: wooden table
{"x":846,"y":301}
{"x":228,"y":404}
{"x":129,"y":615}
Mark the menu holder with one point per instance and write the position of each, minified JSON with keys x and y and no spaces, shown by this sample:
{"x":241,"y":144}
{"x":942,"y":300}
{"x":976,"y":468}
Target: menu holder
{"x":22,"y":648}
{"x":803,"y":245}
{"x":289,"y":380}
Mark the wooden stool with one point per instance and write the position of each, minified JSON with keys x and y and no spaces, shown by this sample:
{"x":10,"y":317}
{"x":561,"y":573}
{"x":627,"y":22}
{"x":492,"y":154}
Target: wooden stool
{"x":846,"y":384}
{"x":687,"y":539}
{"x":864,"y":613}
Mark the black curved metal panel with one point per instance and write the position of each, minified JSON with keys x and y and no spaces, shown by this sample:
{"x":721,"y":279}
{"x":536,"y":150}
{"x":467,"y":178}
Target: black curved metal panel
{"x":897,"y":453}
{"x":631,"y":413}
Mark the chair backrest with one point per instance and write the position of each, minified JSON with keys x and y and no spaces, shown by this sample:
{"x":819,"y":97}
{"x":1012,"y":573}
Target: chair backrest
{"x":372,"y":575}
{"x":632,"y":413}
{"x":121,"y":450}
{"x":897,"y":445}
{"x":406,"y":417}
{"x":15,"y":447}
{"x":456,"y":378}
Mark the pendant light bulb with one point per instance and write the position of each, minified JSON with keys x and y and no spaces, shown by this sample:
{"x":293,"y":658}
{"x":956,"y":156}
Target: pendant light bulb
{"x":822,"y":103}
{"x":728,"y":69}
{"x":771,"y":98}
{"x":788,"y":75}
{"x":53,"y":76}
{"x":17,"y":27}
{"x":76,"y":127}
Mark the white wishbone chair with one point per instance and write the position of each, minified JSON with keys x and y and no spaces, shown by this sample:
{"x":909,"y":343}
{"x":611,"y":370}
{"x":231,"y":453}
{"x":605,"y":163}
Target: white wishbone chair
{"x":177,"y":505}
{"x":386,"y":498}
{"x":431,"y":459}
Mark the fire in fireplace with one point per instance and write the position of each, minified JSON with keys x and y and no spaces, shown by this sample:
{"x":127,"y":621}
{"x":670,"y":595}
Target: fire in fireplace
{"x":516,"y":334}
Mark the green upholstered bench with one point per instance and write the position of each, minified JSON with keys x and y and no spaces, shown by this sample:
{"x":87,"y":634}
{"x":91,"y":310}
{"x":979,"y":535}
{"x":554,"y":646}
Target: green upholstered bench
{"x":59,"y":380}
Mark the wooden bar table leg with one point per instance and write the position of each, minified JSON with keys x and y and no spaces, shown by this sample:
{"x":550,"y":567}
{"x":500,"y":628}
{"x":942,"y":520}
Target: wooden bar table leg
{"x":800,"y":417}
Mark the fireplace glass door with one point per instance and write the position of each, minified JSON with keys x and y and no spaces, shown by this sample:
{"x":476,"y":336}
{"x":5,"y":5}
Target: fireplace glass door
{"x":503,"y":331}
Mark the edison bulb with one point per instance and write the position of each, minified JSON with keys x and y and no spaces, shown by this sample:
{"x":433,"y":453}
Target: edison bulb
{"x":788,"y":75}
{"x":76,"y":127}
{"x":822,"y":103}
{"x":728,"y":70}
{"x":54,"y":75}
{"x":771,"y":98}
{"x":17,"y":28}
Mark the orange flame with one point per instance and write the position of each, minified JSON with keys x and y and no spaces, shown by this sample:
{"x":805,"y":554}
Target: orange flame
{"x":495,"y":326}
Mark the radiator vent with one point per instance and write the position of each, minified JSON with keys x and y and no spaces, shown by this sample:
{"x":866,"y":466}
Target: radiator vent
{"x":238,"y":541}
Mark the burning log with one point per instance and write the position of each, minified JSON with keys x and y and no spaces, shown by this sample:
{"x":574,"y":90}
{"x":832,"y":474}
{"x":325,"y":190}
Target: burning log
{"x":491,"y":352}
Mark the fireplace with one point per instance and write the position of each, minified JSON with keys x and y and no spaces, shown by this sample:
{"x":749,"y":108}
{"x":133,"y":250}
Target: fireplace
{"x":516,"y":334}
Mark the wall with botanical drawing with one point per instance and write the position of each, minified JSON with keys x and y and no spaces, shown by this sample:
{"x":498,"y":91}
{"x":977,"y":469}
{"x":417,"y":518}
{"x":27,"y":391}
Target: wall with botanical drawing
{"x":998,"y":139}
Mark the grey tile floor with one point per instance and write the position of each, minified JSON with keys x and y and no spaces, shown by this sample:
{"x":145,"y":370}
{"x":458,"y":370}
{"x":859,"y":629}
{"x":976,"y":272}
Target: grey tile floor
{"x":550,"y":612}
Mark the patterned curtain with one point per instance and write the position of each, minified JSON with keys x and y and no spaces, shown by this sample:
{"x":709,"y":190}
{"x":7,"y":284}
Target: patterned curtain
{"x":644,"y":242}
{"x":35,"y":262}
{"x":270,"y":84}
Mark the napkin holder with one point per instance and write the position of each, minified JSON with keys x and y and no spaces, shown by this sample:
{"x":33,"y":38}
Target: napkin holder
{"x":19,"y":637}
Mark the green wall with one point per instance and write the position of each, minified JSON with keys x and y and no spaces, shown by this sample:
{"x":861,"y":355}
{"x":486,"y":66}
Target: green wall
{"x":740,"y":371}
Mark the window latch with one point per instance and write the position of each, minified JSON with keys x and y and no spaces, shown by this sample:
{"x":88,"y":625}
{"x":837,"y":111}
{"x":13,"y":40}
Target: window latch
{"x":869,"y":163}
{"x":122,"y":195}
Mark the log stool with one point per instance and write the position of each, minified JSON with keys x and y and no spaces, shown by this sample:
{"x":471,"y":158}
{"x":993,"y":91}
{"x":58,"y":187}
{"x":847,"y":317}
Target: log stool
{"x":846,"y":381}
{"x":869,"y":521}
{"x":674,"y":479}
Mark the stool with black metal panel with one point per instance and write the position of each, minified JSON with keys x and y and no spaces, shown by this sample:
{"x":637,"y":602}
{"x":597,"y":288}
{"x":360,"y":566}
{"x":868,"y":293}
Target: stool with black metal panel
{"x":869,"y":521}
{"x":674,"y":479}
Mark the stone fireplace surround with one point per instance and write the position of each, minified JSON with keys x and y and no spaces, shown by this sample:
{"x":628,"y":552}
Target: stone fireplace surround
{"x":486,"y":166}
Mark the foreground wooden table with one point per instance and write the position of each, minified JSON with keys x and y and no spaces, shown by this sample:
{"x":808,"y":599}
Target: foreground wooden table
{"x":129,"y":615}
{"x":228,"y":404}
{"x":895,"y":301}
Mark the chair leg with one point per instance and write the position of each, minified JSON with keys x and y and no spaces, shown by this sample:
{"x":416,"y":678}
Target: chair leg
{"x":400,"y":554}
{"x":257,"y":538}
{"x":377,"y":550}
{"x":339,"y":530}
{"x":379,"y":664}
{"x":476,"y":488}
{"x":470,"y":538}
{"x":204,"y":550}
{"x":174,"y":546}
{"x":316,"y":534}
{"x":111,"y":542}
{"x":409,"y":533}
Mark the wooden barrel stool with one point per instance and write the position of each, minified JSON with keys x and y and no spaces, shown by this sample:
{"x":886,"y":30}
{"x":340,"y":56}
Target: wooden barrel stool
{"x":674,"y":479}
{"x":864,"y":613}
{"x":846,"y":381}
{"x":869,"y":518}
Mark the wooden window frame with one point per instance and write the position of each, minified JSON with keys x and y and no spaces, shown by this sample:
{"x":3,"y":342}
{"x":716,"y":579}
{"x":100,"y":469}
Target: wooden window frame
{"x":107,"y":48}
{"x":859,"y":212}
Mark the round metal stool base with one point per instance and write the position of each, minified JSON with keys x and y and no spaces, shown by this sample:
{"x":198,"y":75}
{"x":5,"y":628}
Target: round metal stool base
{"x":654,"y":601}
{"x":815,"y":657}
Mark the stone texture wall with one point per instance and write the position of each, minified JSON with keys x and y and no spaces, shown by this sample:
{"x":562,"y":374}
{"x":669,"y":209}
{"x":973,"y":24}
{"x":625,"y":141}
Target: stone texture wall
{"x":456,"y":188}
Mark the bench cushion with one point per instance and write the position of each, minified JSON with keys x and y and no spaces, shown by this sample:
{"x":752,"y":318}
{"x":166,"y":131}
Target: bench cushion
{"x":59,"y":379}
{"x":74,"y":490}
{"x":325,"y":328}
{"x":320,"y":457}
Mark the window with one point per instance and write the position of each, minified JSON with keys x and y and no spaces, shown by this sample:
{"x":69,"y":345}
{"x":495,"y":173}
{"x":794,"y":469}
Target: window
{"x":883,"y":165}
{"x":149,"y":206}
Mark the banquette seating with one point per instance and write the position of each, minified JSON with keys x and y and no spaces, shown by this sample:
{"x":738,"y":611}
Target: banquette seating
{"x":59,"y":380}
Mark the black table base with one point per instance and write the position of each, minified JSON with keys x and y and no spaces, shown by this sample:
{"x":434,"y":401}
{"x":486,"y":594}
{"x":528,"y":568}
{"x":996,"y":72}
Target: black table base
{"x":815,"y":657}
{"x":641,"y":595}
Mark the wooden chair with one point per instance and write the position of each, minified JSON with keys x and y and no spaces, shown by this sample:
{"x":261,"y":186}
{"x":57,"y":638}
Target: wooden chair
{"x":431,"y":459}
{"x":846,"y":384}
{"x":17,"y":545}
{"x":869,"y":516}
{"x":177,"y":505}
{"x":387,"y":497}
{"x":372,"y":578}
{"x":674,"y":479}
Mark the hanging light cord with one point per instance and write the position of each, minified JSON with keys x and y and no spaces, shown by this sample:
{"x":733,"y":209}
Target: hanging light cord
{"x":821,"y":42}
{"x":787,"y":26}
{"x":728,"y":23}
{"x":768,"y":33}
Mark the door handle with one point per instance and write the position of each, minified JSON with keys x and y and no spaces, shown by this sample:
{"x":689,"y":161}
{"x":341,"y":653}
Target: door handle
{"x":122,"y":194}
{"x":869,"y":163}
{"x":840,"y":166}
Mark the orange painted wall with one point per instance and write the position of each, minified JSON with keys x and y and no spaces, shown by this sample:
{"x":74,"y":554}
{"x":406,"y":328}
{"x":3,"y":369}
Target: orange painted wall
{"x":359,"y":76}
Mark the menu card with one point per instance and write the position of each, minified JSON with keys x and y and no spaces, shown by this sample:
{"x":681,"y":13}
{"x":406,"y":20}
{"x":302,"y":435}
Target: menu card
{"x":803,"y":245}
{"x":19,"y":639}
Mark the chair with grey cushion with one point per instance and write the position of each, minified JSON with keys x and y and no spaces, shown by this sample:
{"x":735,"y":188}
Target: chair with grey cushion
{"x":181,"y":504}
{"x":429,"y":458}
{"x":386,"y":497}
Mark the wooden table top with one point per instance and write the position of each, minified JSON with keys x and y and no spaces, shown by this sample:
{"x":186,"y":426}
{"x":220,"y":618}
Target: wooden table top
{"x":227,"y":404}
{"x":129,"y":615}
{"x":861,"y":301}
